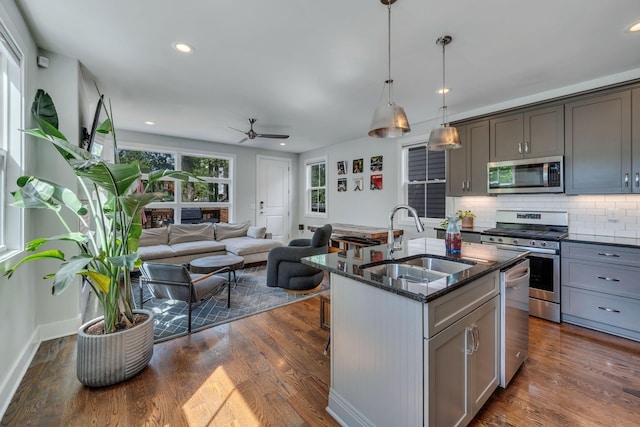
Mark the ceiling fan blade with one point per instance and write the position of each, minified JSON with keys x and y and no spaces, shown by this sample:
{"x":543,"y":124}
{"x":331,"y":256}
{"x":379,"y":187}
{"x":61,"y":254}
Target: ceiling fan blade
{"x":237,"y":130}
{"x":242,"y":140}
{"x":270,"y":135}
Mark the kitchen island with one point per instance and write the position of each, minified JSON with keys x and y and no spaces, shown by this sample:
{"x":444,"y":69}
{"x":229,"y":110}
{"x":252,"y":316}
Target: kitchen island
{"x":407,"y":352}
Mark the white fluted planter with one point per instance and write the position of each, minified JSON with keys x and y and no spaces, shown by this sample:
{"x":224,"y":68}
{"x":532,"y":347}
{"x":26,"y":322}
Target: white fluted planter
{"x":109,"y":359}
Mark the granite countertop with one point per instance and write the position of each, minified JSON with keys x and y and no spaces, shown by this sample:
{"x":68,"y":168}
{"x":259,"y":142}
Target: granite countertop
{"x":629,"y":242}
{"x":465,"y":229}
{"x":483,"y":258}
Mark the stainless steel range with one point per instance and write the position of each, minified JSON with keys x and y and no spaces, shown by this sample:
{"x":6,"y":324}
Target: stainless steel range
{"x":539,"y":232}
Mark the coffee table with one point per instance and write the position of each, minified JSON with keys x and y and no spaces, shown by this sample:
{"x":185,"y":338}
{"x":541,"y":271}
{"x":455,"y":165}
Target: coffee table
{"x":211,"y":263}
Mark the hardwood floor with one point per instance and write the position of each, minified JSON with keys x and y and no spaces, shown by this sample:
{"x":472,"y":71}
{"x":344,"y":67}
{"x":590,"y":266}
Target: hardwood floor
{"x":269,"y":370}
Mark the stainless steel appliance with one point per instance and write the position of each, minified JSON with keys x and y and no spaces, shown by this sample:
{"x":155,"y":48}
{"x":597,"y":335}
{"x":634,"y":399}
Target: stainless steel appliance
{"x":539,"y":232}
{"x":514,"y":314}
{"x":541,"y":175}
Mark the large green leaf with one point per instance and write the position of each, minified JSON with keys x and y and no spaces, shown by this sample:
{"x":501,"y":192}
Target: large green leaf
{"x":38,"y":193}
{"x":44,"y":108}
{"x":50,"y":254}
{"x":168,"y":173}
{"x":67,"y":272}
{"x":127,"y":261}
{"x":133,"y":203}
{"x":74,"y":237}
{"x":116,"y":179}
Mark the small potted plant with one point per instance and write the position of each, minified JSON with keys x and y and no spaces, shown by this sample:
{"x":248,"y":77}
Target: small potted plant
{"x":466,"y":217}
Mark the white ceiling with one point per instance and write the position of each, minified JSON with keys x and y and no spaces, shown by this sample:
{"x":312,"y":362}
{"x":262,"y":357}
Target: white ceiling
{"x":316,"y":69}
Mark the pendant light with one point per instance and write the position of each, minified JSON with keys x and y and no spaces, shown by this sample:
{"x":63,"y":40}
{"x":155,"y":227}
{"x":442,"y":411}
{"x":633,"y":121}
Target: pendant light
{"x":389,"y":120}
{"x":444,"y":137}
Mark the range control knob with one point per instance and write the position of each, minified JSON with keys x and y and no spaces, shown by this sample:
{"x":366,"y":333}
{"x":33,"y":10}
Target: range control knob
{"x":532,"y":243}
{"x":500,"y":239}
{"x":543,"y":243}
{"x":491,"y":239}
{"x":514,"y":241}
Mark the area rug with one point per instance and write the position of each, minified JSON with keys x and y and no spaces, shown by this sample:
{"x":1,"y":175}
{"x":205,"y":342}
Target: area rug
{"x":250,"y":296}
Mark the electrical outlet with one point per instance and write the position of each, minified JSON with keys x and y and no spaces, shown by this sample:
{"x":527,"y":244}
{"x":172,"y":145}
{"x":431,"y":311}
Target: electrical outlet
{"x":301,"y":227}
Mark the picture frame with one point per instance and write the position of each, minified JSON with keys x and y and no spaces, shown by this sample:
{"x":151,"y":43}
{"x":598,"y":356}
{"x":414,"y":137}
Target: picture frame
{"x":358,"y":165}
{"x":358,"y":183}
{"x":376,"y":164}
{"x":342,"y":185}
{"x":342,"y":167}
{"x":376,"y":182}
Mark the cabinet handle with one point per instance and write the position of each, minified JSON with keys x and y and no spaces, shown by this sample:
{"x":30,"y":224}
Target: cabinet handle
{"x":609,"y":309}
{"x":476,"y":338}
{"x":462,"y":185}
{"x":526,"y":147}
{"x":637,"y":179}
{"x":468,"y":186}
{"x":469,"y":332}
{"x":520,"y":147}
{"x":608,"y":254}
{"x":609,"y":279}
{"x":626,"y":179}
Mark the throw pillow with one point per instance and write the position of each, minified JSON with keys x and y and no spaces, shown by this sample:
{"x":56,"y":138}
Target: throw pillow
{"x":182,"y":233}
{"x":154,"y":236}
{"x":257,"y":232}
{"x":225,"y":230}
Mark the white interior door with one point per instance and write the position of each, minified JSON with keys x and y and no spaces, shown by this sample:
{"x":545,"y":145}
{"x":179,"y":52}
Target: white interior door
{"x":273,"y":196}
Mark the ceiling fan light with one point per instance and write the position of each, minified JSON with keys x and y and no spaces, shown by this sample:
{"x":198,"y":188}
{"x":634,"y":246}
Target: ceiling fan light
{"x":389,"y":121}
{"x":444,"y":138}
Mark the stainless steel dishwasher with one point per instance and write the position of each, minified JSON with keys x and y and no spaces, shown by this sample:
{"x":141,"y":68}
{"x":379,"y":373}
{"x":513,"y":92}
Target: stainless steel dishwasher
{"x":514,"y":314}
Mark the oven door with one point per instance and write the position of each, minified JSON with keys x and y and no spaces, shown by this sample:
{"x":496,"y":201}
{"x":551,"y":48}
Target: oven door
{"x":544,"y":282}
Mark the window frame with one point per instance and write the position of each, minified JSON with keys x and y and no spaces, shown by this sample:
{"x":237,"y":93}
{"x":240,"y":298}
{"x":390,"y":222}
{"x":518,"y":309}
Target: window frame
{"x":406,"y":183}
{"x":309,"y":164}
{"x":12,"y":140}
{"x":177,"y":202}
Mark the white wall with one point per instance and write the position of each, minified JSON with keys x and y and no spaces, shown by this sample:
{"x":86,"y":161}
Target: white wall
{"x":18,"y":325}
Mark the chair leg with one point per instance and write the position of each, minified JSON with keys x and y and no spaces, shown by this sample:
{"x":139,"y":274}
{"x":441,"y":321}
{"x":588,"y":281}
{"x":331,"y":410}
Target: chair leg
{"x":326,"y":347}
{"x":229,"y":289}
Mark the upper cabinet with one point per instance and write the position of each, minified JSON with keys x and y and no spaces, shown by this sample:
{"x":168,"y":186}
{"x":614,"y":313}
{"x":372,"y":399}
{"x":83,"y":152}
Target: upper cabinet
{"x":467,"y":166}
{"x":599,"y":144}
{"x":529,"y":134}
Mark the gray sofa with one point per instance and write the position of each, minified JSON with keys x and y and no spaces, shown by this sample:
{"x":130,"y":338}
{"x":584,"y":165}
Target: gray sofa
{"x":182,"y":243}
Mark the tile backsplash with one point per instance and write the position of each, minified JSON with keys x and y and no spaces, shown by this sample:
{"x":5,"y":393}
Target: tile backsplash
{"x":603,"y":215}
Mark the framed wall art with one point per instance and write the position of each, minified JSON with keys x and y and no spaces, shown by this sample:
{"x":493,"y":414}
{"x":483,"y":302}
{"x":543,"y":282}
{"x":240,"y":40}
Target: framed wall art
{"x":358,"y":165}
{"x":376,"y":163}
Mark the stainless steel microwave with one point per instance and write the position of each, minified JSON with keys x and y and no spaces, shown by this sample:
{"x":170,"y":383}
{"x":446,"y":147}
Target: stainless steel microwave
{"x":542,"y":175}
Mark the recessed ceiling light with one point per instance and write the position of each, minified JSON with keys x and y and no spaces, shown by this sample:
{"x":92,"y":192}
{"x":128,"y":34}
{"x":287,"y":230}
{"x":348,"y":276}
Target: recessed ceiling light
{"x":182,"y":47}
{"x":445,"y":90}
{"x":283,"y":143}
{"x":635,"y":27}
{"x":150,"y":123}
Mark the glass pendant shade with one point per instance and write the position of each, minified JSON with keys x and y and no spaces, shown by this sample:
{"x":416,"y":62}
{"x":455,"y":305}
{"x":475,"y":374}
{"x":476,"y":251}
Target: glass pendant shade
{"x":444,"y":138}
{"x":389,"y":121}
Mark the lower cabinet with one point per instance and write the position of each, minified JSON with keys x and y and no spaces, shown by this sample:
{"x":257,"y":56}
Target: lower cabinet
{"x":463,"y":367}
{"x":600,"y":288}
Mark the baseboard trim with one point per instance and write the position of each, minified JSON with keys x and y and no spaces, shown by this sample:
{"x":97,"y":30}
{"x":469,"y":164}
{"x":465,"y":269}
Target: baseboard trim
{"x":18,"y":370}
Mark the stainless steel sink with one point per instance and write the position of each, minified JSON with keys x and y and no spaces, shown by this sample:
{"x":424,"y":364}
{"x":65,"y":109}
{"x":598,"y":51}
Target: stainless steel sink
{"x":437,"y":264}
{"x":408,"y":272}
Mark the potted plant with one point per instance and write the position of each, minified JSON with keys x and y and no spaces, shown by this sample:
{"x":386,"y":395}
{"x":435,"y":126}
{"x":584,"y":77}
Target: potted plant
{"x":107,"y":254}
{"x":466,"y":217}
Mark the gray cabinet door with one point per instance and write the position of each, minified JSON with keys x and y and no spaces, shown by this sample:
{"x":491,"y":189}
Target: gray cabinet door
{"x":635,"y":138}
{"x":507,"y":137}
{"x":467,"y":166}
{"x":457,"y":166}
{"x":544,"y":132}
{"x":477,"y":158}
{"x":598,"y":144}
{"x":484,"y":373}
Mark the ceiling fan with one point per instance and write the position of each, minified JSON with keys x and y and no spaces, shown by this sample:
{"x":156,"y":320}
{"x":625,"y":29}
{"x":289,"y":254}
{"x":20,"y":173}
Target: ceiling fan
{"x":251,"y":134}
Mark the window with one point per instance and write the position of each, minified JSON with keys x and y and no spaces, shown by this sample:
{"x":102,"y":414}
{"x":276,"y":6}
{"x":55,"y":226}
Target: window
{"x":316,"y":193}
{"x":425,"y":182}
{"x":212,"y":195}
{"x":11,"y":156}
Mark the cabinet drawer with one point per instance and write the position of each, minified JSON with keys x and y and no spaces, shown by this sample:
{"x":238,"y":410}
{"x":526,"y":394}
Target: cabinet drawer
{"x":602,"y":308}
{"x":447,"y":309}
{"x":612,"y":279}
{"x":602,"y":253}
